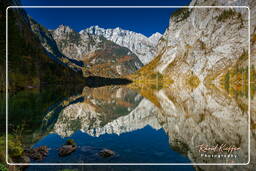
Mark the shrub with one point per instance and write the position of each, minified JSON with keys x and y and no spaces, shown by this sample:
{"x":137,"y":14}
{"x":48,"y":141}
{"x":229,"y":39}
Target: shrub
{"x":14,"y":147}
{"x":202,"y":45}
{"x":2,"y":167}
{"x":181,"y":14}
{"x":244,"y":55}
{"x":226,"y":14}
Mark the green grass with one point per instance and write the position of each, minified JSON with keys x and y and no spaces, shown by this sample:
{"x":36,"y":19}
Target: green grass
{"x":3,"y":167}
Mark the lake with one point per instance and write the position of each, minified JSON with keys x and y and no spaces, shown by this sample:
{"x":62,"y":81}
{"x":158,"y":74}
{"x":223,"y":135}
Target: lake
{"x":162,"y":125}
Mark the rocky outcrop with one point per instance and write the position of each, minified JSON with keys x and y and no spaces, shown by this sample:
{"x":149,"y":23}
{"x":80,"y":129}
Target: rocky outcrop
{"x":144,"y":47}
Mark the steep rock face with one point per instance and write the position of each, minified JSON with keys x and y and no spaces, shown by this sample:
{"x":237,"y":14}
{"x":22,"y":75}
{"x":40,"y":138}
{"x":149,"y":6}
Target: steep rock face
{"x":203,"y":41}
{"x":100,"y":56}
{"x":142,"y":46}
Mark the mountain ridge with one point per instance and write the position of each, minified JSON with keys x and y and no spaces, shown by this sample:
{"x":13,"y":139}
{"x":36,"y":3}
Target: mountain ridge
{"x":144,"y":47}
{"x":94,"y":55}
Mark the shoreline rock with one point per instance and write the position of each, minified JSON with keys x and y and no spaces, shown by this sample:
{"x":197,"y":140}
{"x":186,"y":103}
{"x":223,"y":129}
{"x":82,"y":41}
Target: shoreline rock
{"x":38,"y":153}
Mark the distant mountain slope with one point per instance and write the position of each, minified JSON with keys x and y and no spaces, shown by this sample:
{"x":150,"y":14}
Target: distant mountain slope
{"x":101,"y":57}
{"x":73,"y":45}
{"x":144,"y":47}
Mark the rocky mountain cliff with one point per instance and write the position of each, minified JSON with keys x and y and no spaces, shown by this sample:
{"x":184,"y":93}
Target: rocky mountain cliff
{"x":144,"y":47}
{"x":203,"y":42}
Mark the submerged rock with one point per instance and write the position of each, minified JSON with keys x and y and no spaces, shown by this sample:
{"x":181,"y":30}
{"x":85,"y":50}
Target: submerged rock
{"x":37,"y":153}
{"x":106,"y":153}
{"x":67,"y":150}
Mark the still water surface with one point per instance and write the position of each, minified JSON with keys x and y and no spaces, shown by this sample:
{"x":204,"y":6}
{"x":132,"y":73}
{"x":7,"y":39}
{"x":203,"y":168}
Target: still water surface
{"x":140,"y":126}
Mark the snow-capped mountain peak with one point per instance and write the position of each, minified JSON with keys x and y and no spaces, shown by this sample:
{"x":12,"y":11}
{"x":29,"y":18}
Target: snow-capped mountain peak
{"x":155,"y":37}
{"x":144,"y":47}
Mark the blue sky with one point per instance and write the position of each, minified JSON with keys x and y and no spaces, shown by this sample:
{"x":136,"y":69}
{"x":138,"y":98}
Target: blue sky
{"x":146,"y":21}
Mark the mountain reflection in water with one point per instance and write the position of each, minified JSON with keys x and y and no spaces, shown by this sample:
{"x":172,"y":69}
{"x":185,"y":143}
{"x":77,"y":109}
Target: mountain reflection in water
{"x":162,"y":126}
